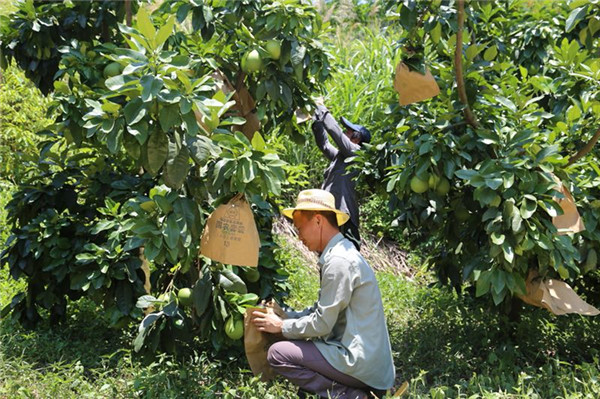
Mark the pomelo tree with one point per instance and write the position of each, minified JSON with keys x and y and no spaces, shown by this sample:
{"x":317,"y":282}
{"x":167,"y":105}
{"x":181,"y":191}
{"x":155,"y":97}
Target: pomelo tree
{"x":152,"y":131}
{"x":471,"y":170}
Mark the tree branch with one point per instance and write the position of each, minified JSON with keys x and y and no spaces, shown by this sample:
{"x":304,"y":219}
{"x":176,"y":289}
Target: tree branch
{"x":460,"y":83}
{"x":128,"y":12}
{"x":586,"y":148}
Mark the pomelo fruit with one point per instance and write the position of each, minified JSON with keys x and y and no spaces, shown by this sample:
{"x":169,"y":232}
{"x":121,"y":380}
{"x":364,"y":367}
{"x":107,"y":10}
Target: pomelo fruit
{"x":185,"y":296}
{"x":252,"y":275}
{"x":418,"y":186}
{"x":443,"y":187}
{"x":112,"y":69}
{"x":433,"y":181}
{"x":253,"y":61}
{"x":273,"y":47}
{"x":234,"y":328}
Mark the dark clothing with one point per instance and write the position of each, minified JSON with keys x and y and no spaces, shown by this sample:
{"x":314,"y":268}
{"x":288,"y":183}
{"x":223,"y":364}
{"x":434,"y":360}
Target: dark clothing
{"x":301,"y":362}
{"x":337,"y":181}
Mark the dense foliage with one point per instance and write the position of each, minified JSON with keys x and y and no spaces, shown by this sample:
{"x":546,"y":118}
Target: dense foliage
{"x":531,"y":83}
{"x":149,"y":137}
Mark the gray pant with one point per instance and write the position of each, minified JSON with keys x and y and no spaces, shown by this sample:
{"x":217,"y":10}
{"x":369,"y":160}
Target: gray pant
{"x":302,"y":364}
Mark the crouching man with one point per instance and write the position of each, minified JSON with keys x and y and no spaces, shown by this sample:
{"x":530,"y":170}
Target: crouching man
{"x":340,"y":346}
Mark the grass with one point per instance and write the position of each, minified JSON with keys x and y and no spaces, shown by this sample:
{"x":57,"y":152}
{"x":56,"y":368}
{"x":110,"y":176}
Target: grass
{"x":444,"y":345}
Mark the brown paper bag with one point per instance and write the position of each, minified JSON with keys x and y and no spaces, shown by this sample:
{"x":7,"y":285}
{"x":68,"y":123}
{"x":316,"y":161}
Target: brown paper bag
{"x":244,"y":105}
{"x":556,"y":296}
{"x":230,"y":235}
{"x":256,"y":345}
{"x":569,"y":221}
{"x":412,"y":86}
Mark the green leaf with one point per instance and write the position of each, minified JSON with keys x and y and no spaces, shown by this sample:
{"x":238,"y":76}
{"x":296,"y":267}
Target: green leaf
{"x":483,"y":283}
{"x":507,"y":250}
{"x":158,"y":151}
{"x":163,"y":203}
{"x":169,"y":117}
{"x":177,"y":169}
{"x":528,"y":208}
{"x":298,"y":53}
{"x":139,"y":131}
{"x":232,"y":282}
{"x":145,"y":301}
{"x":171,"y":232}
{"x":574,"y":17}
{"x":144,"y":24}
{"x":573,"y":113}
{"x":190,"y":123}
{"x":466,"y":174}
{"x":507,"y":103}
{"x":472,"y":51}
{"x":201,"y":149}
{"x":134,"y":111}
{"x":494,"y":182}
{"x":115,"y":83}
{"x":436,"y":32}
{"x":546,"y":152}
{"x":124,"y":296}
{"x":258,"y":143}
{"x":498,"y":281}
{"x":490,"y":53}
{"x":201,"y":293}
{"x":248,"y":170}
{"x":497,"y":238}
{"x":164,"y":32}
{"x":150,"y":87}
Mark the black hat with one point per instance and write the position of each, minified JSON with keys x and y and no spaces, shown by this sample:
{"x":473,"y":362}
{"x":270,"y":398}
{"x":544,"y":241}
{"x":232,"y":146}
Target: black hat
{"x":365,"y":135}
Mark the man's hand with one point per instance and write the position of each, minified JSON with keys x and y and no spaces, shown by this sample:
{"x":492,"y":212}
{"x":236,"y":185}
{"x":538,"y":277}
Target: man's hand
{"x":267,"y":322}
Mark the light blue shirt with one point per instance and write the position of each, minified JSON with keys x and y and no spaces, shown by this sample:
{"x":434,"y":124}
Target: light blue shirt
{"x":347,"y":322}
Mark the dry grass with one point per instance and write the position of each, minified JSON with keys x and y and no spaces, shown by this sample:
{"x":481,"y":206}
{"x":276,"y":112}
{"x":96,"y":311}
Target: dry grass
{"x":381,"y":254}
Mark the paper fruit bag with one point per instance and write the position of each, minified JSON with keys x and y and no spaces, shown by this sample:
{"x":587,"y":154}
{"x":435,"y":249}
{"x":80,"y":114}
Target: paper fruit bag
{"x":556,"y":296}
{"x":256,"y":345}
{"x":230,"y":235}
{"x":413,"y":86}
{"x":569,"y":221}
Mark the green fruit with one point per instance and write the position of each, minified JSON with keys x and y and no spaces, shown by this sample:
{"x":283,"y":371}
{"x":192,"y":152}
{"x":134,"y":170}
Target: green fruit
{"x":185,"y":296}
{"x":443,"y":187}
{"x":252,"y":275}
{"x":112,"y":69}
{"x":273,"y":47}
{"x":253,"y":61}
{"x":234,"y":328}
{"x":433,"y":182}
{"x":418,"y":186}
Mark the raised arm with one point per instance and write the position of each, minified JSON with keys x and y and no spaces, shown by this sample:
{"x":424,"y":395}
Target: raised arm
{"x":331,"y":126}
{"x":318,"y":128}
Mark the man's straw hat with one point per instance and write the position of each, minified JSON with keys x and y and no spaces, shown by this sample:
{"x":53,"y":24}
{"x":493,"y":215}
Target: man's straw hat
{"x":317,"y":200}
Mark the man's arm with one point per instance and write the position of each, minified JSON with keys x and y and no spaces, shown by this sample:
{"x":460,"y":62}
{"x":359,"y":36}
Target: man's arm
{"x":344,"y":145}
{"x":318,"y":129}
{"x":336,"y":290}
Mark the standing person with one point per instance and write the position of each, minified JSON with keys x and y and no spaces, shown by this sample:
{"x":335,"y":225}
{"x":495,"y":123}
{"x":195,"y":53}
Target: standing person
{"x":340,"y":346}
{"x":337,"y":181}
